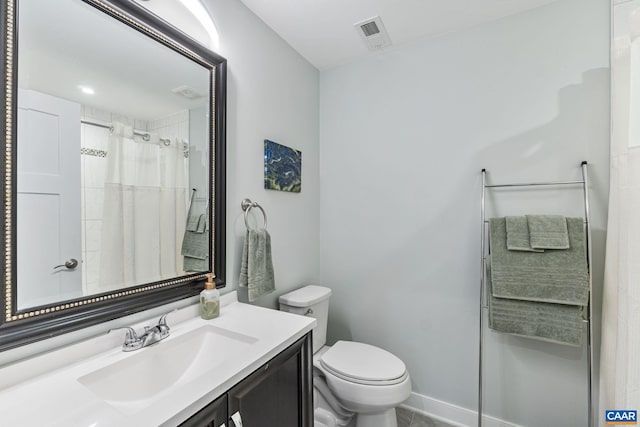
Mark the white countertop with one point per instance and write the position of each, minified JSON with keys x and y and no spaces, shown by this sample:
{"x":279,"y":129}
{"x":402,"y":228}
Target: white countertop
{"x":56,"y":398}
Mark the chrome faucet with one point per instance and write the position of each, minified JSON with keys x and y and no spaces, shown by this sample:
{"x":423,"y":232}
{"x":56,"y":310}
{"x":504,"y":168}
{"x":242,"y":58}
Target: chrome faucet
{"x":150,"y":336}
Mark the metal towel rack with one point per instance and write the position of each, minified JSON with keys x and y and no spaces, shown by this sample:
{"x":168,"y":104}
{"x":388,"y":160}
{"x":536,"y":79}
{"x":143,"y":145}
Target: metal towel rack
{"x":483,"y":306}
{"x":192,"y":200}
{"x":247,"y":205}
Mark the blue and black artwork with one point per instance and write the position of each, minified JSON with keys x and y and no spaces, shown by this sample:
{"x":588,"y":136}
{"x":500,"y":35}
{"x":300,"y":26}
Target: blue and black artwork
{"x":282,"y":167}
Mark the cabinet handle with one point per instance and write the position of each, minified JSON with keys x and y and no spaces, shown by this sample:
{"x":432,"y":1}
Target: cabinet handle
{"x":237,"y":419}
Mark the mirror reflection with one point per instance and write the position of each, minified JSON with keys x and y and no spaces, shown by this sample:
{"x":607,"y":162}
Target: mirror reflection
{"x":112,"y":156}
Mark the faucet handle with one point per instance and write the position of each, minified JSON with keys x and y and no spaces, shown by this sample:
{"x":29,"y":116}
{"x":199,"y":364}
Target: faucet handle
{"x":162,"y":326}
{"x":163,"y":319}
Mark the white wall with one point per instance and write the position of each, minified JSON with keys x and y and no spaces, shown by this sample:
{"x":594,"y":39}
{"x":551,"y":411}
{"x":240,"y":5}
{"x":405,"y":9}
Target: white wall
{"x":404,"y":135}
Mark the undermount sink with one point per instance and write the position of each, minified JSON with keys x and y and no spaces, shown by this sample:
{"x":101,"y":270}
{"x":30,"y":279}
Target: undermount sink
{"x":134,"y":383}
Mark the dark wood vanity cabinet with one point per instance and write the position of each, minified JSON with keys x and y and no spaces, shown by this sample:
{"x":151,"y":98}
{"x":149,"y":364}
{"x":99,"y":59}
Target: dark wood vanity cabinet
{"x":212,"y":415}
{"x":278,"y":394}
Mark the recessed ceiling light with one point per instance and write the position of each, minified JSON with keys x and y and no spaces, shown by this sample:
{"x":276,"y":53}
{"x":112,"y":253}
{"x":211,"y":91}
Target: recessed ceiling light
{"x":87,"y":90}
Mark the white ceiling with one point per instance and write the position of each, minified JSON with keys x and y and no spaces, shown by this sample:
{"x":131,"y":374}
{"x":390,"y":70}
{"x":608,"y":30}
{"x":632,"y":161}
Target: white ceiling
{"x":322,"y":30}
{"x":131,"y":74}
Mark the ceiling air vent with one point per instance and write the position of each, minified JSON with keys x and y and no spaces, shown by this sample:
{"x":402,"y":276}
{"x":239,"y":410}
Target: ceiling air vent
{"x":187,"y":92}
{"x":373,"y":33}
{"x":370,"y":28}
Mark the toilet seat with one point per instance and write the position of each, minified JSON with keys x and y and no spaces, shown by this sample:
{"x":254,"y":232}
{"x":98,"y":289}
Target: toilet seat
{"x":363,"y":364}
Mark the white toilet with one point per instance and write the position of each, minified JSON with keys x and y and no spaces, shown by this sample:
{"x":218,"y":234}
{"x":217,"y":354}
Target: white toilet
{"x":354,"y":383}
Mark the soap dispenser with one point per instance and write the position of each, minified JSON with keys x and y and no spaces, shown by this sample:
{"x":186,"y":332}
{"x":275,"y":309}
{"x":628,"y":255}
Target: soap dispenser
{"x":209,"y":299}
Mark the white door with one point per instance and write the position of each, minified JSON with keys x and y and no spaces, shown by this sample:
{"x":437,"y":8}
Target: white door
{"x":48,"y":205}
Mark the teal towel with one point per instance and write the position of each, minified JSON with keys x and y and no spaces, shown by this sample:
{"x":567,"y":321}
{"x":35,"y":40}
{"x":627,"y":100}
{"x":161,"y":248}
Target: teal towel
{"x":202,"y":224}
{"x":256,"y":270}
{"x":548,"y":231}
{"x":195,"y":244}
{"x":558,"y":323}
{"x":195,"y":264}
{"x":518,"y":234}
{"x":192,"y":222}
{"x":551,"y":276}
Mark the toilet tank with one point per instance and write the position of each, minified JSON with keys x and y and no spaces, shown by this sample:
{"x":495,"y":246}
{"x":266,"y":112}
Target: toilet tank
{"x":310,"y":301}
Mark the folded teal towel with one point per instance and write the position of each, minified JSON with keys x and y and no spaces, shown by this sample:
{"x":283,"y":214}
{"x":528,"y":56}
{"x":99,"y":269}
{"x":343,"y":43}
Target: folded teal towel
{"x":256,"y":270}
{"x":195,"y":244}
{"x":202,"y":224}
{"x":192,"y":222}
{"x":548,"y":232}
{"x":195,"y":264}
{"x":518,"y":234}
{"x":551,"y":276}
{"x":558,"y":323}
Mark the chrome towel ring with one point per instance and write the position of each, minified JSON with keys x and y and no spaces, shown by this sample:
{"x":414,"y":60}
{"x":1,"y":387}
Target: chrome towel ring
{"x":247,"y":205}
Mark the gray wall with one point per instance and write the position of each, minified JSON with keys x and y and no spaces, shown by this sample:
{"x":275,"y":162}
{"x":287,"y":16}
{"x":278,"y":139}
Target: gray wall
{"x":272,"y":94}
{"x":404,"y":135}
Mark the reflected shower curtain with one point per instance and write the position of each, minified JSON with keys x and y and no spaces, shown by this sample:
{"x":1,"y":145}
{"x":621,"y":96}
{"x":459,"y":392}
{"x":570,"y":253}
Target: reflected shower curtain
{"x":620,"y":349}
{"x":145,"y":206}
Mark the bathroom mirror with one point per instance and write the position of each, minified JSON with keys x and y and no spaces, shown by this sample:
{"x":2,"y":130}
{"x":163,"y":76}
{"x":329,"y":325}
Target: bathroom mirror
{"x":114,"y":165}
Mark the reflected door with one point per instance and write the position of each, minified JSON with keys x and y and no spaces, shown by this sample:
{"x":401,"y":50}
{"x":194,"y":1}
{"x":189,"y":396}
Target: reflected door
{"x":48,"y":200}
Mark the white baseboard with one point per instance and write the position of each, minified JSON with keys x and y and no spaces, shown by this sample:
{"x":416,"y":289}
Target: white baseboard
{"x":452,"y":414}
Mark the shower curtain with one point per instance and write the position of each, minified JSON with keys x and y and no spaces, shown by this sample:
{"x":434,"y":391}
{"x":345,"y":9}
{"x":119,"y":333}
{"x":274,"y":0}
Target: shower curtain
{"x":145,"y":207}
{"x":620,"y":348}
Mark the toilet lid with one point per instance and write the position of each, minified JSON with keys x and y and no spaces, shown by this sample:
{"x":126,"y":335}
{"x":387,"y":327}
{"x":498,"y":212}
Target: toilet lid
{"x":363,"y":363}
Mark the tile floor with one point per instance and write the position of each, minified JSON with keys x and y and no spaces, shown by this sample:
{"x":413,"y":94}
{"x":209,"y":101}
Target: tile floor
{"x":407,"y":418}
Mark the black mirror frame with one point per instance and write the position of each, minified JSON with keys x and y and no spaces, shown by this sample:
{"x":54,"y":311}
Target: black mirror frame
{"x":20,"y":327}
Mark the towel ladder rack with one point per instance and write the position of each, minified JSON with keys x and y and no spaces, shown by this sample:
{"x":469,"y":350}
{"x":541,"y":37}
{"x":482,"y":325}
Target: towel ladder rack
{"x":585,"y":187}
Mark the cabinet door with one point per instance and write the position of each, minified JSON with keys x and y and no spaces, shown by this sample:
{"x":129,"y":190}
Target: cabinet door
{"x":279,"y":394}
{"x":212,"y":415}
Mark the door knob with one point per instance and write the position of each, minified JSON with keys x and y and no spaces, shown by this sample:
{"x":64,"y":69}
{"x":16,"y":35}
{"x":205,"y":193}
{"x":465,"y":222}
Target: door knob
{"x":70,"y":264}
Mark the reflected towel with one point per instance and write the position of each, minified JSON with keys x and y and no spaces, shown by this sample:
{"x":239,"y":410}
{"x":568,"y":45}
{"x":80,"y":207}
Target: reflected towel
{"x":192,"y":222}
{"x":202,"y":224}
{"x":256,"y":271}
{"x":195,"y":244}
{"x":548,"y":231}
{"x":195,"y":264}
{"x":551,"y":276}
{"x":518,"y":234}
{"x":558,"y":323}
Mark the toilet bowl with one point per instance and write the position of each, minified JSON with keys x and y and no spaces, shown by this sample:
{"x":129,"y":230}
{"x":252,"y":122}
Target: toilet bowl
{"x":354,"y":383}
